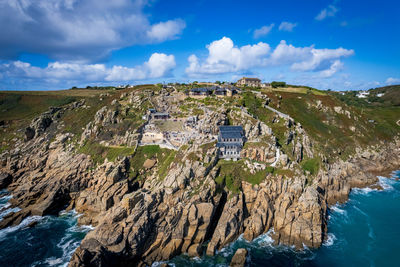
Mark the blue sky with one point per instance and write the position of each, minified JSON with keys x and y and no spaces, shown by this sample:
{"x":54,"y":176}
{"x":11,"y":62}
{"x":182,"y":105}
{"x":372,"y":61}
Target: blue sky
{"x":336,"y":44}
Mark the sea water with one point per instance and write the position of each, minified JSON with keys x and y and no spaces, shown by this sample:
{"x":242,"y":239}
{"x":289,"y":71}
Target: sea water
{"x":50,"y":242}
{"x":365,"y":231}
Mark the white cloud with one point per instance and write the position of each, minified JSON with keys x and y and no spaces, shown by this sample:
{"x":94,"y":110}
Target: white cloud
{"x":322,"y":59}
{"x":287,"y":26}
{"x":335,"y":67}
{"x":225,"y":57}
{"x":78,"y":30}
{"x":392,"y":81}
{"x":330,"y":11}
{"x":166,"y":30}
{"x":159,"y":65}
{"x":263,"y":31}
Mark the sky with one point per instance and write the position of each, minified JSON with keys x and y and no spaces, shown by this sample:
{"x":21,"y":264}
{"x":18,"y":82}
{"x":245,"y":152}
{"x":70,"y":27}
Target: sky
{"x":327,"y":44}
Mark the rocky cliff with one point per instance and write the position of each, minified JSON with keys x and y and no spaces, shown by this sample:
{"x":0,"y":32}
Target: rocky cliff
{"x":148,"y":212}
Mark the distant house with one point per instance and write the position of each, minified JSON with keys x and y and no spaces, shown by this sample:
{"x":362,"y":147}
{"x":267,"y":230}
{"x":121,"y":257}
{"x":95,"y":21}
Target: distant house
{"x":160,"y":115}
{"x":252,"y":82}
{"x":230,"y":142}
{"x":222,"y":92}
{"x":266,"y":85}
{"x":226,"y":91}
{"x":202,"y":91}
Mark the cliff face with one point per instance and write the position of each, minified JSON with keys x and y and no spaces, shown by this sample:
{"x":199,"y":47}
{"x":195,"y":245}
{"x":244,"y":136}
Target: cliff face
{"x":165,"y":210}
{"x":165,"y":218}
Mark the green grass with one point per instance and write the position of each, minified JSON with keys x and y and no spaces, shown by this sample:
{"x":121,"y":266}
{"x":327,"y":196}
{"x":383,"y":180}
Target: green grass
{"x":311,"y":165}
{"x":164,"y":158}
{"x":99,"y":153}
{"x":232,"y":173}
{"x":25,"y":107}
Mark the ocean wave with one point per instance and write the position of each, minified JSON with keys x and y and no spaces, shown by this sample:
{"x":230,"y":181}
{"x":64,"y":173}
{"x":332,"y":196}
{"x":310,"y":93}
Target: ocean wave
{"x":5,"y":212}
{"x":28,"y":220}
{"x":330,"y":240}
{"x":265,"y":240}
{"x":363,"y":191}
{"x":336,"y":209}
{"x":386,"y":183}
{"x":69,"y":242}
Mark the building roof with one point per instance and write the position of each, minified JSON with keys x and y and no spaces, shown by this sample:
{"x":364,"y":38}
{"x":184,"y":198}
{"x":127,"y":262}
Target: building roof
{"x":230,"y":128}
{"x":160,"y":114}
{"x":228,"y":131}
{"x":231,"y":135}
{"x":201,"y":89}
{"x":251,"y":79}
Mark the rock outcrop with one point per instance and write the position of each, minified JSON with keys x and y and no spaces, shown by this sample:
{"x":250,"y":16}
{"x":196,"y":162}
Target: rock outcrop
{"x":156,"y":217}
{"x":239,"y":259}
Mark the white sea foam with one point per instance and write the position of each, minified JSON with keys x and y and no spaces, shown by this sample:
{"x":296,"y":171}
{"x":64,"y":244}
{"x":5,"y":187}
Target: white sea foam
{"x":330,"y":240}
{"x":386,"y":183}
{"x":4,"y":232}
{"x":265,"y":240}
{"x":8,"y":211}
{"x":67,"y":244}
{"x":336,"y":208}
{"x":363,"y":191}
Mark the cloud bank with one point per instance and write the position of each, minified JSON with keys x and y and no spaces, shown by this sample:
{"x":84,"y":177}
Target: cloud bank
{"x":78,"y":30}
{"x":225,"y":57}
{"x":159,"y":65}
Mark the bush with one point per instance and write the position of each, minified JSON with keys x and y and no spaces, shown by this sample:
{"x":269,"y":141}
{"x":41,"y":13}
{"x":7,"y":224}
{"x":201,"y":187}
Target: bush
{"x":311,"y":165}
{"x":275,"y":84}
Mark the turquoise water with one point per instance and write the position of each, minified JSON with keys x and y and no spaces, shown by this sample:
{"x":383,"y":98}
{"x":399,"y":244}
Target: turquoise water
{"x":363,"y":232}
{"x":51,"y":242}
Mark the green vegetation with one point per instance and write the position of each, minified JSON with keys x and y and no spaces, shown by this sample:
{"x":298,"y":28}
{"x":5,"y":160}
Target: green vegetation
{"x":98,"y":153}
{"x":311,"y":165}
{"x":275,"y":84}
{"x":232,"y":173}
{"x":163,"y":156}
{"x":25,"y":106}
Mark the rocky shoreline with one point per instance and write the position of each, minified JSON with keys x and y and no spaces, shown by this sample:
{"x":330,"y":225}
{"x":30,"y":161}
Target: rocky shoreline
{"x":139,"y":222}
{"x":142,"y":226}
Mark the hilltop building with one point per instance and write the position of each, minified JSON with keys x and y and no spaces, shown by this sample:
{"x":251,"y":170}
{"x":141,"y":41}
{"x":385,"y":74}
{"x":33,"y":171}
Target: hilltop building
{"x":230,"y":142}
{"x":251,"y":82}
{"x":202,"y":92}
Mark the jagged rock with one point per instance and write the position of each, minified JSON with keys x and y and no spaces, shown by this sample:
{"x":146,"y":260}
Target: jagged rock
{"x":230,"y":225}
{"x":239,"y":259}
{"x":5,"y":180}
{"x":156,"y":218}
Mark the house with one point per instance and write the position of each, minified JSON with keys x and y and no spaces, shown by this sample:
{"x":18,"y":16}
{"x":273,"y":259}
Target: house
{"x":160,"y":115}
{"x":266,"y":85}
{"x":226,"y":91}
{"x":202,"y":91}
{"x":222,"y":92}
{"x":230,"y":142}
{"x":252,"y":82}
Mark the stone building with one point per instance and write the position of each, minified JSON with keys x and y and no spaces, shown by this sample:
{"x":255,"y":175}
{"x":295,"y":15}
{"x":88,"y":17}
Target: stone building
{"x":230,"y":142}
{"x":251,"y":82}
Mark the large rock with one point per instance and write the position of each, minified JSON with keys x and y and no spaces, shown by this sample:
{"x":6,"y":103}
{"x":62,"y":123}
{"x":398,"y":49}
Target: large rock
{"x":5,"y":180}
{"x":239,"y":259}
